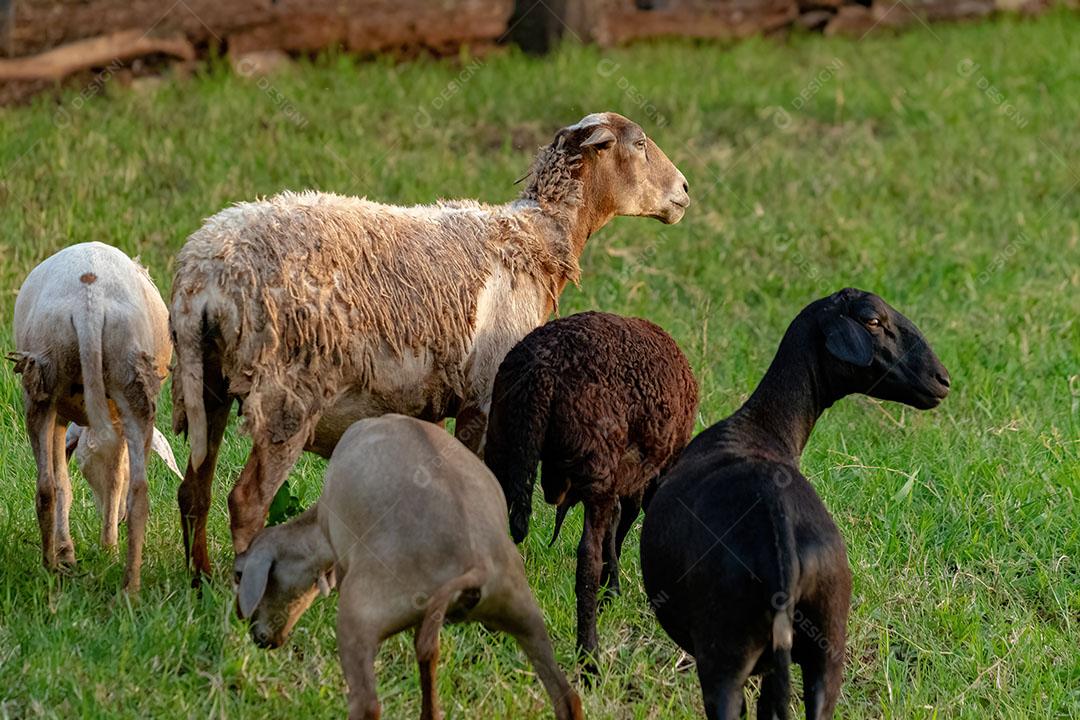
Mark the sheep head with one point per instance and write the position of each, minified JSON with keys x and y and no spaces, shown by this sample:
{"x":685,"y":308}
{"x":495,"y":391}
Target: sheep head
{"x":280,"y":574}
{"x":880,"y":352}
{"x":609,"y":166}
{"x":103,"y":460}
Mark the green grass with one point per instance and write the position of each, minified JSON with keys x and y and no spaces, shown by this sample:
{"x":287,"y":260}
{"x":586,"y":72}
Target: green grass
{"x":900,"y":173}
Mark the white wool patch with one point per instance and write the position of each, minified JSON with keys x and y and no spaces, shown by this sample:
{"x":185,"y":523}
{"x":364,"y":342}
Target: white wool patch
{"x":508,"y":307}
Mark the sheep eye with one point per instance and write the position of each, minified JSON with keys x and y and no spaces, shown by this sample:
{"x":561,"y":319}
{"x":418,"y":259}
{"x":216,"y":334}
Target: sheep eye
{"x":236,"y":577}
{"x":873,"y":322}
{"x":641,"y":144}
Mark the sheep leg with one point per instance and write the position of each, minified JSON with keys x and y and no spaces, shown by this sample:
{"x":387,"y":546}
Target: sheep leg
{"x":723,"y":699}
{"x":609,"y":571}
{"x":428,"y":660}
{"x":775,"y":697}
{"x":358,"y":642}
{"x":266,"y":470}
{"x":193,"y":495}
{"x":597,"y":524}
{"x":823,"y":663}
{"x":625,"y":517}
{"x":65,"y":548}
{"x":722,"y":686}
{"x":519,"y":615}
{"x":106,"y":476}
{"x":40,"y":426}
{"x":138,"y":433}
{"x":630,"y":508}
{"x":469,"y":427}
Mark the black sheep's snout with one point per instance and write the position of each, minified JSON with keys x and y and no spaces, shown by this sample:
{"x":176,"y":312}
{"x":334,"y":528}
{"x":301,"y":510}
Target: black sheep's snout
{"x":942,"y":376}
{"x":936,"y":378}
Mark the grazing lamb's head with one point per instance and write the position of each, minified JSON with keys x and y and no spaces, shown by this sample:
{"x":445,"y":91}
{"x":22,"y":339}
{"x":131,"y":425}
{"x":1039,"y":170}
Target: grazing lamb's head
{"x":103,"y":461}
{"x":882,"y":353}
{"x":279,"y":575}
{"x":607,"y":163}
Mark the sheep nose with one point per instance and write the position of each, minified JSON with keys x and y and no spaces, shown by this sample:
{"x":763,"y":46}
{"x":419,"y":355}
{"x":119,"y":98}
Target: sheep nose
{"x":261,"y":636}
{"x":684,"y":200}
{"x":941,"y":378}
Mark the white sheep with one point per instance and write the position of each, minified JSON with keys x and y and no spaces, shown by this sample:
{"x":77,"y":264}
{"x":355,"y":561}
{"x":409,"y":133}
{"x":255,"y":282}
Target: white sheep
{"x":91,"y":333}
{"x":315,"y":310}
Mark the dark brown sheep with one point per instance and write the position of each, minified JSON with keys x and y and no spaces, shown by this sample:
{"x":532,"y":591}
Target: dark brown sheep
{"x":606,"y":402}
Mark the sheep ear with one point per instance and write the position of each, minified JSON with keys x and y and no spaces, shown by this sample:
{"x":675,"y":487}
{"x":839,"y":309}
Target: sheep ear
{"x":71,"y":439}
{"x":327,"y":582}
{"x":601,"y":138}
{"x":164,"y":451}
{"x":253,"y":583}
{"x":849,"y":341}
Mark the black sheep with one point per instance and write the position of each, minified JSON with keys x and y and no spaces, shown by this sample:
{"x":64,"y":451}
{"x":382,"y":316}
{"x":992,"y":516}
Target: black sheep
{"x":742,"y":563}
{"x":606,"y":403}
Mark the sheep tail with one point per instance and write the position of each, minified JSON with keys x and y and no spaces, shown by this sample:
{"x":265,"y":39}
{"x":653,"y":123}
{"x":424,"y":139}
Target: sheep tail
{"x":779,"y":677}
{"x":517,"y":426}
{"x":189,"y":412}
{"x":88,"y":331}
{"x":783,"y":600}
{"x":560,"y":515}
{"x":463,"y":591}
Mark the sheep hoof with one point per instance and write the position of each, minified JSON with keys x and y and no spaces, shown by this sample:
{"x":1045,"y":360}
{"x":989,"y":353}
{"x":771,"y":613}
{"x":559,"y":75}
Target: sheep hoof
{"x":685,"y":663}
{"x":110,"y":540}
{"x":65,"y":556}
{"x":607,"y":595}
{"x":590,"y":673}
{"x":132,"y":585}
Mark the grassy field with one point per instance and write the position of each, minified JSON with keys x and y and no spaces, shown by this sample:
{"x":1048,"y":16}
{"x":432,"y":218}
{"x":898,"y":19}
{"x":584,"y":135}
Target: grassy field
{"x":938,"y":168}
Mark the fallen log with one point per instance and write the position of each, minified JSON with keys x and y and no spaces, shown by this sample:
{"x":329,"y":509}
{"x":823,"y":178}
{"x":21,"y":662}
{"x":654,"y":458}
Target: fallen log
{"x":293,"y":26}
{"x":117,"y":47}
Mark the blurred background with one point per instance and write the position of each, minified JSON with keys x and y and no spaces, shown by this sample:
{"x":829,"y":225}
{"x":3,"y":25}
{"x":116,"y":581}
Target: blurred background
{"x":142,"y":36}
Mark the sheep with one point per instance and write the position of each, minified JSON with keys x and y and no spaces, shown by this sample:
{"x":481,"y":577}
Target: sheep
{"x":92,"y":345}
{"x":77,"y":443}
{"x":607,"y":402}
{"x":742,"y":563}
{"x":314,"y":310}
{"x":413,"y":528}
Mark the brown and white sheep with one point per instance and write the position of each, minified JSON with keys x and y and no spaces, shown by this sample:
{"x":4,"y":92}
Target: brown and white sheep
{"x":92,"y":340}
{"x":605,"y":403}
{"x":315,"y":310}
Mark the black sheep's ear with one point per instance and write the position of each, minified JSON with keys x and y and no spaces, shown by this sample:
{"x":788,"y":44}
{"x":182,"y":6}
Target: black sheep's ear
{"x":849,"y":341}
